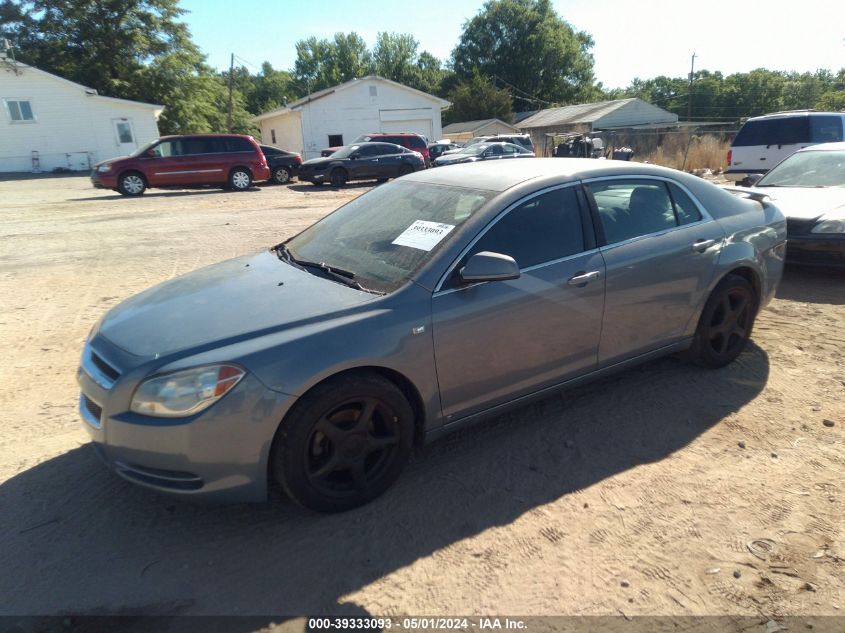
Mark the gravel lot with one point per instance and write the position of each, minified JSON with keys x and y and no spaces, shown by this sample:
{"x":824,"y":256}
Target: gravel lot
{"x":664,"y":490}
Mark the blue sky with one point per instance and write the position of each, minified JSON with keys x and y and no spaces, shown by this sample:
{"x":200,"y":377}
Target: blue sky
{"x":642,"y":38}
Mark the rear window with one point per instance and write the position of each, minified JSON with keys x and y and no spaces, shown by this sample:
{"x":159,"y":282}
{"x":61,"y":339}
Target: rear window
{"x":415,"y":141}
{"x":778,"y":131}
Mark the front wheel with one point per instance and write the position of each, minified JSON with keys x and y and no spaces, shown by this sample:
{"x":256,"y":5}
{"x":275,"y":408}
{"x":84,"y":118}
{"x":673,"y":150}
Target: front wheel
{"x":725,"y":323}
{"x":131,"y":184}
{"x":338,"y":177}
{"x":344,"y":443}
{"x":240,"y":179}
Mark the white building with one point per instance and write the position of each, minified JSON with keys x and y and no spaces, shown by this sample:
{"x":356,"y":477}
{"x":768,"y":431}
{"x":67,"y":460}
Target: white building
{"x":48,"y":123}
{"x":465,"y":130}
{"x":337,"y":115}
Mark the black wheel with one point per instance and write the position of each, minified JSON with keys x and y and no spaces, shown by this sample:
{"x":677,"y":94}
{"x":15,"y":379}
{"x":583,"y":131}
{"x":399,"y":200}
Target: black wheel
{"x":338,"y":177}
{"x":240,"y":179}
{"x":344,"y":443}
{"x":725,"y":323}
{"x":281,"y":175}
{"x":405,"y":169}
{"x":131,"y":184}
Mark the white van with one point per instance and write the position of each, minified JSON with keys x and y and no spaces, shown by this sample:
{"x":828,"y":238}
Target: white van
{"x":763,"y":141}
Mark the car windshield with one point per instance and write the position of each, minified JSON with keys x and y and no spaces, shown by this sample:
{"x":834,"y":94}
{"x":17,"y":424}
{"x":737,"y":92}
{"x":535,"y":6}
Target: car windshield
{"x":808,"y":169}
{"x":345,"y":152}
{"x":474,"y":150}
{"x":142,"y":150}
{"x":384,"y":236}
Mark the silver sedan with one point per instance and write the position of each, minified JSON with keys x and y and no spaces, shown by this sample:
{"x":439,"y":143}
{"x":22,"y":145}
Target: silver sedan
{"x":422,"y":305}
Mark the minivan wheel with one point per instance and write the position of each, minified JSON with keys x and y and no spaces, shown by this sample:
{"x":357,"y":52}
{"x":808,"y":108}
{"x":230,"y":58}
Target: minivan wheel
{"x":240,"y":179}
{"x":131,"y":184}
{"x":281,"y":175}
{"x":338,"y":177}
{"x":725,"y":323}
{"x":344,"y":443}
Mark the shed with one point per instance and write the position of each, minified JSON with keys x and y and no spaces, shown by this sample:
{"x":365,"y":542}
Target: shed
{"x":465,"y":130}
{"x":591,"y":117}
{"x":51,"y":123}
{"x":337,"y":115}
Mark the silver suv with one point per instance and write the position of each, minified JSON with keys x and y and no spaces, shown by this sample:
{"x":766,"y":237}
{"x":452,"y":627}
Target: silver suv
{"x":763,"y":141}
{"x":523,"y":140}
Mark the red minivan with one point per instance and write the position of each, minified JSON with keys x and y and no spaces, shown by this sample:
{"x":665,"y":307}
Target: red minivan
{"x":233,"y":161}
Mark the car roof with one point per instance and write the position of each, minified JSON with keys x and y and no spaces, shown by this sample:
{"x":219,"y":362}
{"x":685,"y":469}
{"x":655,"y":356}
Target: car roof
{"x":502,"y":175}
{"x":793,"y":113}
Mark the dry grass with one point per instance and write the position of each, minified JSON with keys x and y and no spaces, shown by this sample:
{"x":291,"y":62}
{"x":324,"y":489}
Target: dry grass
{"x":705,"y":152}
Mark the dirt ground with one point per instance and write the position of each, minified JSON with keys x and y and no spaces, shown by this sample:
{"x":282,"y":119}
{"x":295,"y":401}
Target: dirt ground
{"x":668,"y":489}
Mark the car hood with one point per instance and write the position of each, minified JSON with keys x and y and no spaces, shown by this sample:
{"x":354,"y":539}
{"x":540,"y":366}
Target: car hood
{"x":111,"y":161}
{"x":448,"y":159}
{"x":317,"y":162}
{"x":806,"y":203}
{"x":224,"y":303}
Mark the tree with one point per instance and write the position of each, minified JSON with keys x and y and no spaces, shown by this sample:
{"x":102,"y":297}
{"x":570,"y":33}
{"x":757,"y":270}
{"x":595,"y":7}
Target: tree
{"x":324,"y":63}
{"x":477,"y":99}
{"x":132,"y":49}
{"x":526,"y":44}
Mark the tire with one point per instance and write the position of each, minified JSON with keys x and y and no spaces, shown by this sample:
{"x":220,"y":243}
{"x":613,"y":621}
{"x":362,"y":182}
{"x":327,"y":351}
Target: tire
{"x":131,"y":183}
{"x":725,"y":324}
{"x":329,"y":457}
{"x":281,"y":175}
{"x":338,"y":177}
{"x":404,"y":170}
{"x":240,"y":179}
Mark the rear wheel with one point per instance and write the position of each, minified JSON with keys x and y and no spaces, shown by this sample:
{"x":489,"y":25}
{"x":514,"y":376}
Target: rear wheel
{"x":281,"y":175}
{"x":725,"y":323}
{"x":344,"y":443}
{"x":338,"y":177}
{"x":405,"y":170}
{"x":240,"y":179}
{"x":131,"y":184}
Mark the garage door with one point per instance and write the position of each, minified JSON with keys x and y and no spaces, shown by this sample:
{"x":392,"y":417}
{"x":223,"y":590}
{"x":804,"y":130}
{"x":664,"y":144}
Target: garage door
{"x":420,"y":126}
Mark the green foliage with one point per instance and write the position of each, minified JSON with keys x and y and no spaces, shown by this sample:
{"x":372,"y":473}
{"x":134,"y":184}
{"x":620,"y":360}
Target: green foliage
{"x":477,"y":98}
{"x":528,"y":45}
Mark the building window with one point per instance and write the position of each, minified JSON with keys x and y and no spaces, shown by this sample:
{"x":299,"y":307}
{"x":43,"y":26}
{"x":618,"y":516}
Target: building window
{"x":335,"y":140}
{"x":20,"y":110}
{"x":373,"y":91}
{"x":273,"y":136}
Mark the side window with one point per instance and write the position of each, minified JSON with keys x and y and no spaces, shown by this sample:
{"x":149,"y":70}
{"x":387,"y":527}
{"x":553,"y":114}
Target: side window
{"x":370,"y":150}
{"x":510,"y":150}
{"x":630,"y":208}
{"x":165,"y":149}
{"x":191,"y":146}
{"x":335,"y":140}
{"x":495,"y":150}
{"x":825,"y":129}
{"x":543,"y":229}
{"x":794,"y":130}
{"x":685,"y":209}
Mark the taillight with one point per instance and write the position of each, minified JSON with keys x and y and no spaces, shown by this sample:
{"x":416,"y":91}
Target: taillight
{"x":730,"y":155}
{"x":297,"y":159}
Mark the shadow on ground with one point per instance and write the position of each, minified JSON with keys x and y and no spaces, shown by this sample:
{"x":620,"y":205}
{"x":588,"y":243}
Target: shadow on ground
{"x":76,"y":539}
{"x":164,"y":193}
{"x":813,"y":285}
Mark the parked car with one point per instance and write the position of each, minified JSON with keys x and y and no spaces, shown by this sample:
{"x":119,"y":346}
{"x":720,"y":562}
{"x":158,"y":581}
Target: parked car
{"x":233,"y":161}
{"x":419,"y":306}
{"x":482,"y":151}
{"x":410,"y":140}
{"x":283,"y":164}
{"x":809,"y":187}
{"x":523,"y":140}
{"x":361,"y":161}
{"x":436,"y":150}
{"x":763,"y":141}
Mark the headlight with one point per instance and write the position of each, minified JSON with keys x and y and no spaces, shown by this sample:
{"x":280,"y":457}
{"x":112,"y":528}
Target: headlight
{"x":185,"y":392}
{"x":104,"y":168}
{"x":829,"y":226}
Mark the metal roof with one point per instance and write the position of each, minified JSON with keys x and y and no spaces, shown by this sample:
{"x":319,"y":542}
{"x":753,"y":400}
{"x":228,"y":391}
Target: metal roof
{"x":581,"y":113}
{"x":472,"y":126}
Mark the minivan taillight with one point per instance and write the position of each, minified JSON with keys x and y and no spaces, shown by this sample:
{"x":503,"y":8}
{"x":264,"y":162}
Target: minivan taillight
{"x":730,"y":155}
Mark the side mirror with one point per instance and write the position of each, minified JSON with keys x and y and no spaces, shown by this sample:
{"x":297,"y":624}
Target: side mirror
{"x":752,"y":179}
{"x":487,"y":266}
{"x":151,"y":153}
{"x":355,"y":156}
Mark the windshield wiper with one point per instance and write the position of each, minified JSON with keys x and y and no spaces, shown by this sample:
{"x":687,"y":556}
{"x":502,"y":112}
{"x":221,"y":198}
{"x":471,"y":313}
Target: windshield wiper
{"x":346,"y":277}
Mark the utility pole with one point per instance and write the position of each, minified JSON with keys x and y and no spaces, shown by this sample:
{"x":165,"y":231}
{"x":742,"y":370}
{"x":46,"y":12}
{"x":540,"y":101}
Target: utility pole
{"x":689,"y":100}
{"x":231,"y":75}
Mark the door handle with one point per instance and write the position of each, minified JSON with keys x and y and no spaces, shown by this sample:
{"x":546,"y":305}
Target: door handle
{"x":702,"y":245}
{"x":582,"y":279}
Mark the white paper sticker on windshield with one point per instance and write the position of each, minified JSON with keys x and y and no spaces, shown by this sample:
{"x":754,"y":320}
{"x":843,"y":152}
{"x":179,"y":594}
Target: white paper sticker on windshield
{"x":423,"y":235}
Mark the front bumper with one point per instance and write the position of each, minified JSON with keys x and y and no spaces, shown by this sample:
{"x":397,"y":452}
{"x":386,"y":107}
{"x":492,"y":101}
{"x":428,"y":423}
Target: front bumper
{"x":220,"y":455}
{"x":106,"y":180}
{"x":816,"y":250}
{"x":312,"y":176}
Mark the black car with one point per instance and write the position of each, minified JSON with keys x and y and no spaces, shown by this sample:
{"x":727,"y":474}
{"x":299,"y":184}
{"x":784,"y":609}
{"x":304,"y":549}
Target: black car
{"x":483,"y":151}
{"x":362,"y":161}
{"x":283,"y":164}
